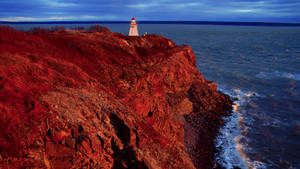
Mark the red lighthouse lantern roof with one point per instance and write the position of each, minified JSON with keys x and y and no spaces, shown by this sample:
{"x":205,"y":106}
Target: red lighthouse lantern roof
{"x":133,"y":18}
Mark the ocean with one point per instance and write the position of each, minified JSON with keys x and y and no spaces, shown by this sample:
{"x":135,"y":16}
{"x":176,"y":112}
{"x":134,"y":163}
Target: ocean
{"x":259,"y":67}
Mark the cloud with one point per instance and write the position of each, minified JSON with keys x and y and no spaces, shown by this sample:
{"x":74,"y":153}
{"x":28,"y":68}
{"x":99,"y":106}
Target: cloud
{"x":55,"y":18}
{"x":185,"y":5}
{"x":141,"y":5}
{"x":165,"y":4}
{"x":61,"y":4}
{"x":14,"y":19}
{"x":244,"y":10}
{"x":218,"y":10}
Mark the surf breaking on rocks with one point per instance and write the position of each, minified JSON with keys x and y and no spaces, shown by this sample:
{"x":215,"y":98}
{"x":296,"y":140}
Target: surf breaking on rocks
{"x":232,"y":151}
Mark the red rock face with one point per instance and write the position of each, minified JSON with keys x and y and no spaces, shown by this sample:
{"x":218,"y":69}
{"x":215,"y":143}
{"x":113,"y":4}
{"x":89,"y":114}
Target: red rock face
{"x":73,"y":99}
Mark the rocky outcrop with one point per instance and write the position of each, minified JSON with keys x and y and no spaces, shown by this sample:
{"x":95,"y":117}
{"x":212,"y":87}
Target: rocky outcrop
{"x":79,"y":99}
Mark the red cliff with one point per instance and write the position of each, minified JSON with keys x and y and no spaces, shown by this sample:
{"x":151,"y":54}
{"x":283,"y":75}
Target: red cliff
{"x":79,"y":99}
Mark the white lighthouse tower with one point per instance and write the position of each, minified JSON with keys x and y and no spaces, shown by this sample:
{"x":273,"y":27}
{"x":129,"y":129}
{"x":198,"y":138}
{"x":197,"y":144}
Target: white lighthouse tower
{"x":133,"y":31}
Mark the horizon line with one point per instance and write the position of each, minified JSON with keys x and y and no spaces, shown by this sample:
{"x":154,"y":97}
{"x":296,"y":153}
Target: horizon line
{"x":253,"y":23}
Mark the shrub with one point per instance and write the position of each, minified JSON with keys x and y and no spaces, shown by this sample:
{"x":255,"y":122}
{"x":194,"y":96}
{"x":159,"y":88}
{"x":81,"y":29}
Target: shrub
{"x":99,"y":28}
{"x":39,"y":30}
{"x":79,"y":28}
{"x":58,"y":29}
{"x":6,"y":27}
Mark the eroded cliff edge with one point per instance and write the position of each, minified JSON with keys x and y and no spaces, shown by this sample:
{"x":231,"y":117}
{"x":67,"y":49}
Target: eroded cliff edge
{"x":73,"y":99}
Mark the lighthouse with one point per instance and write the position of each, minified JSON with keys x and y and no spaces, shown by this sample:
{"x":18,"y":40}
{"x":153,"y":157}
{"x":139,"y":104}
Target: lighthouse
{"x":133,"y":28}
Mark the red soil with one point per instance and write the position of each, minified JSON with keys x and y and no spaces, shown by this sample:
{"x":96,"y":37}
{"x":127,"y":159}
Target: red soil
{"x":72,"y":99}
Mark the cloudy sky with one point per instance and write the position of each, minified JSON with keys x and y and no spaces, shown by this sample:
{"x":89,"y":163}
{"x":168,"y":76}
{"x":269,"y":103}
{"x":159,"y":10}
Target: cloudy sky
{"x":157,"y":10}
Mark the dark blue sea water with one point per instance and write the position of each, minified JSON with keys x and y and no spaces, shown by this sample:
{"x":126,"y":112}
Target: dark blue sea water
{"x":258,"y":65}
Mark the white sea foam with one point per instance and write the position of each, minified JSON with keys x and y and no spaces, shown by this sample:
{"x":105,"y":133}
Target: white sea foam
{"x":232,"y":151}
{"x":276,"y":74}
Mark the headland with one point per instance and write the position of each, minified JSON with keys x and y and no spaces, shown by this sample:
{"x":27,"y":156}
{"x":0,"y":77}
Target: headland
{"x":98,"y":99}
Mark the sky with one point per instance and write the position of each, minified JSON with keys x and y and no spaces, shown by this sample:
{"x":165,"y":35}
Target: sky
{"x":151,"y":10}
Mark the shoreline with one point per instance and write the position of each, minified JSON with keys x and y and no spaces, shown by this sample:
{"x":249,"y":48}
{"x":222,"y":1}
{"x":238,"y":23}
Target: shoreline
{"x":233,"y":153}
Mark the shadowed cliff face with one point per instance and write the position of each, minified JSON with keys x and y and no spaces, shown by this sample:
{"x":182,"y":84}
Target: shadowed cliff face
{"x":104,"y":100}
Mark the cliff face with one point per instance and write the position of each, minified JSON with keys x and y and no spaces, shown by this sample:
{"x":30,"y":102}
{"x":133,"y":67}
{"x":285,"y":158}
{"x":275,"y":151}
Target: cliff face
{"x":74,"y":99}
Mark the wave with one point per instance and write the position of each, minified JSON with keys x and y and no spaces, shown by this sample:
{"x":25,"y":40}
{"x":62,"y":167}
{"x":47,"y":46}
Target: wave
{"x":276,"y":74}
{"x":229,"y":141}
